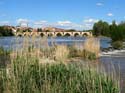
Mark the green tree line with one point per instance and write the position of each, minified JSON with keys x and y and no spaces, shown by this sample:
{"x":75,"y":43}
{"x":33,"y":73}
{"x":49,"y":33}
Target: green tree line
{"x":115,"y":31}
{"x":5,"y":31}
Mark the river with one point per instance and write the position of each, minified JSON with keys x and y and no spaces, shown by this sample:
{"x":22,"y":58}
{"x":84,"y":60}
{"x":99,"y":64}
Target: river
{"x":115,"y":58}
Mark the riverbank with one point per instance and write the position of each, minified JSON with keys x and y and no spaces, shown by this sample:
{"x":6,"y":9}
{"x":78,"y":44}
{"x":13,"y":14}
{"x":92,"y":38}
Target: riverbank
{"x":115,"y":60}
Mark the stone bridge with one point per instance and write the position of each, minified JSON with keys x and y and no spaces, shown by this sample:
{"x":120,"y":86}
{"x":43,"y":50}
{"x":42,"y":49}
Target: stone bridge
{"x":55,"y":34}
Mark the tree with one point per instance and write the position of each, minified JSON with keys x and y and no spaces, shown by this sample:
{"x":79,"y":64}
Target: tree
{"x":4,"y":31}
{"x":101,"y":28}
{"x":117,"y":31}
{"x":121,"y":28}
{"x":71,"y":30}
{"x":39,"y":30}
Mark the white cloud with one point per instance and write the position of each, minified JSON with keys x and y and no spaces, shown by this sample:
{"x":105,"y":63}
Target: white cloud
{"x":64,"y":23}
{"x":99,"y":4}
{"x":69,"y":25}
{"x":88,"y":23}
{"x":87,"y":26}
{"x":90,"y":20}
{"x":22,"y":20}
{"x":110,"y":14}
{"x":4,"y":23}
{"x":40,"y":22}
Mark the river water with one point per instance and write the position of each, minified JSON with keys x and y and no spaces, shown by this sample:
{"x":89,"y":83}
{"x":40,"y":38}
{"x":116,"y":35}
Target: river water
{"x":115,"y":58}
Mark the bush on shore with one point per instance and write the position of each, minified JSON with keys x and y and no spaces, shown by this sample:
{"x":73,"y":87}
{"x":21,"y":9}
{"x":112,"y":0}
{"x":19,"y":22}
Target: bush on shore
{"x":117,"y":44}
{"x":89,"y":51}
{"x":86,"y":55}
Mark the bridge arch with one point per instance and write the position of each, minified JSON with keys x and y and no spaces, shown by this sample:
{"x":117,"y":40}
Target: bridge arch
{"x":67,"y":34}
{"x":42,"y":34}
{"x":76,"y":34}
{"x":50,"y":34}
{"x":85,"y":35}
{"x":19,"y":35}
{"x":59,"y":35}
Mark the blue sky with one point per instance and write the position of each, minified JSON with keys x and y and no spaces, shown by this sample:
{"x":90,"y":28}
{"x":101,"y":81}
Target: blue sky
{"x":76,"y":14}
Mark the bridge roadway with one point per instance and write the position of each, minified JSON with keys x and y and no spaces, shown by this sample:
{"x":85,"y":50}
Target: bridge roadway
{"x":54,"y":34}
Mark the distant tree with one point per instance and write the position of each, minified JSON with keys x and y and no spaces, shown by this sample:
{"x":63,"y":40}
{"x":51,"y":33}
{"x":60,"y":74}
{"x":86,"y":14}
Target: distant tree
{"x":29,"y":30}
{"x":71,"y":30}
{"x":87,"y":30}
{"x":47,"y":30}
{"x":114,"y":33}
{"x":4,"y":31}
{"x":121,"y":28}
{"x":101,"y":28}
{"x":39,"y":30}
{"x":97,"y":28}
{"x":18,"y":30}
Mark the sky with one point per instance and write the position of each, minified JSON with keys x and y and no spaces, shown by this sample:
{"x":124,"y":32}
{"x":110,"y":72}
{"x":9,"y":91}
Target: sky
{"x":68,"y":14}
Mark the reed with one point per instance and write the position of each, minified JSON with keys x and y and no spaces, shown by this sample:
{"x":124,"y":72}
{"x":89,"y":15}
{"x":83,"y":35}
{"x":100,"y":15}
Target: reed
{"x":61,"y":53}
{"x":92,"y":45}
{"x":27,"y":74}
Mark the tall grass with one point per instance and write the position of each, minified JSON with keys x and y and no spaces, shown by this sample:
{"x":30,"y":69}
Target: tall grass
{"x":92,"y":45}
{"x":4,"y":57}
{"x":89,"y":50}
{"x":61,"y":53}
{"x":28,"y":76}
{"x":27,"y":73}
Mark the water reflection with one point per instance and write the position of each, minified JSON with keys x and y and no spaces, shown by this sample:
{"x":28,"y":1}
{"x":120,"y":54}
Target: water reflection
{"x":8,"y":42}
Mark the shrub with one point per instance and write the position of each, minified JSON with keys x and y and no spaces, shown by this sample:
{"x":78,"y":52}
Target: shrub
{"x":73,"y":51}
{"x":117,"y":44}
{"x":88,"y":55}
{"x":82,"y":53}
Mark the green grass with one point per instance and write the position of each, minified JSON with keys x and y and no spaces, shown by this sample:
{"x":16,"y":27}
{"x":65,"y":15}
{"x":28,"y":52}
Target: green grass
{"x":28,"y":76}
{"x":4,"y":57}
